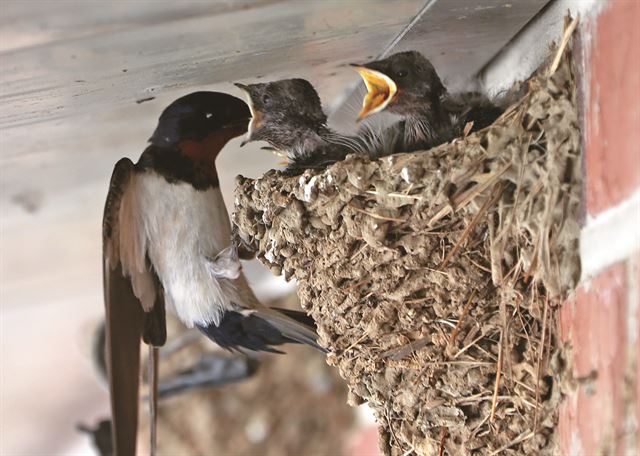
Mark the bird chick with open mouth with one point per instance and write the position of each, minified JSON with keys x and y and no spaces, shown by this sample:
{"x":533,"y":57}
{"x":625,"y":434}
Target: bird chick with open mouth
{"x":407,"y":84}
{"x":288,"y":115}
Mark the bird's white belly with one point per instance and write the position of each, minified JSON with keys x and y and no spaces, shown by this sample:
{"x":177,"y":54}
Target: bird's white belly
{"x":184,"y":228}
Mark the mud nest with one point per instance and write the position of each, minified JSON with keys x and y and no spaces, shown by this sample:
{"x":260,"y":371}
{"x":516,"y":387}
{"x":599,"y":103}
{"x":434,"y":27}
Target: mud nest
{"x":434,"y":276}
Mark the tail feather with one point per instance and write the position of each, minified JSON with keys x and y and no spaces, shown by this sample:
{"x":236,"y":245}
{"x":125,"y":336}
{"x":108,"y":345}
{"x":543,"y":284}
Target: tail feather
{"x":261,"y":330}
{"x":292,"y":324}
{"x":300,"y":317}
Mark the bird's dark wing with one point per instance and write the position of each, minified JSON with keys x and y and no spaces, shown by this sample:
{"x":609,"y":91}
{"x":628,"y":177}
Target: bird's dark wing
{"x":482,"y":116}
{"x":124,"y":320}
{"x":318,"y":159}
{"x":293,"y":325}
{"x":261,"y":329}
{"x":472,"y":107}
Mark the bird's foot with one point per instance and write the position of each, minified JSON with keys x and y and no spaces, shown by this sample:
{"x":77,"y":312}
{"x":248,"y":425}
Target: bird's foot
{"x":226,"y":264}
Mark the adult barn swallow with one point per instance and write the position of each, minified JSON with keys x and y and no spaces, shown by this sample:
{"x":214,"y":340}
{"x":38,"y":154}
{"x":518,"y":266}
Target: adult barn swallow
{"x":407,"y":84}
{"x":166,"y":241}
{"x":288,"y":115}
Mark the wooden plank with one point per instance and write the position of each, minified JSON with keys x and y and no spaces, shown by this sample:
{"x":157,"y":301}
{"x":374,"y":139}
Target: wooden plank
{"x":82,"y":72}
{"x":39,"y":23}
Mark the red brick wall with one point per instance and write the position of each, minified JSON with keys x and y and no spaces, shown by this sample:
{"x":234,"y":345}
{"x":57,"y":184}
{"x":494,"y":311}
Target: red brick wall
{"x":601,"y":320}
{"x":593,"y":321}
{"x":613,"y":115}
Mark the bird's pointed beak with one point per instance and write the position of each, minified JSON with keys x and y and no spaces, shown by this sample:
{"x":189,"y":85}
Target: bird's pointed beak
{"x":380,"y":90}
{"x":256,"y":116}
{"x":242,"y":87}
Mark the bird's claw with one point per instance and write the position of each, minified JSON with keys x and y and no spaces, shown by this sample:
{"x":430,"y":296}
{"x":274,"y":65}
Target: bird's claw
{"x":245,"y":250}
{"x":226,"y":264}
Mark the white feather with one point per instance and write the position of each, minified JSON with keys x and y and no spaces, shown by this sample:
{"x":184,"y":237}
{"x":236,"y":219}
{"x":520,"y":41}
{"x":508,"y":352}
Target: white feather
{"x":180,"y":229}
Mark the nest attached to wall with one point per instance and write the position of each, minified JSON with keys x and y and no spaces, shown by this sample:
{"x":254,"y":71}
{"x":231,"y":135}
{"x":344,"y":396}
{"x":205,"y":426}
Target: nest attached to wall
{"x":434,"y":276}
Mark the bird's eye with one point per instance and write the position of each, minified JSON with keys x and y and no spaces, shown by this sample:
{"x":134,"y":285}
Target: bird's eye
{"x":208,"y":115}
{"x":266,"y":98}
{"x":401,"y":73}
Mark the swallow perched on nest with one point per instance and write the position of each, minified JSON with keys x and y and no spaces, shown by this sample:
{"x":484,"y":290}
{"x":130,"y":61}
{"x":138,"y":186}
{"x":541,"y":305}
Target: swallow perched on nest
{"x":288,"y":115}
{"x":166,"y":241}
{"x":407,"y":84}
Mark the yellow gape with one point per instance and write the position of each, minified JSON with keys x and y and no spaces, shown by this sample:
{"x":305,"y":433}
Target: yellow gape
{"x":380,"y":91}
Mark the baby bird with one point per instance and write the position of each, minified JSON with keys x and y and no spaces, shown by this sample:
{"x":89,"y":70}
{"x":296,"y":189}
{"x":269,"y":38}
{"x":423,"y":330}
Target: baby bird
{"x":407,"y":84}
{"x":288,"y":115}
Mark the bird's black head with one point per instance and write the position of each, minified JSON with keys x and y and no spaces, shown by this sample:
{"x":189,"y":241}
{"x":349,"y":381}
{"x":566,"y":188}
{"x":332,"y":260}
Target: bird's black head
{"x":402,"y":83}
{"x":281,"y":109}
{"x":196,"y":116}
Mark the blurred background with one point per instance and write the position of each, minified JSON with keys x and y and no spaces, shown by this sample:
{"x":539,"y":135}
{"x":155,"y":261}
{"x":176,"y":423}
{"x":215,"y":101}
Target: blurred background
{"x":82,"y":85}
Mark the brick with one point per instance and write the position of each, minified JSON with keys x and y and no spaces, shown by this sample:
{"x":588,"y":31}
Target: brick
{"x":594,"y":321}
{"x":613,"y":116}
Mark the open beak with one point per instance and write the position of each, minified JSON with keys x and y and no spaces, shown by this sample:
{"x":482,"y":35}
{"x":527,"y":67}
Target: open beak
{"x":380,"y":91}
{"x":256,"y":116}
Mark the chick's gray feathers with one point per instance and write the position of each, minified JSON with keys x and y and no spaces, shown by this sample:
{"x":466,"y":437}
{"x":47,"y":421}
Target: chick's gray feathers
{"x":431,"y":115}
{"x":288,"y":115}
